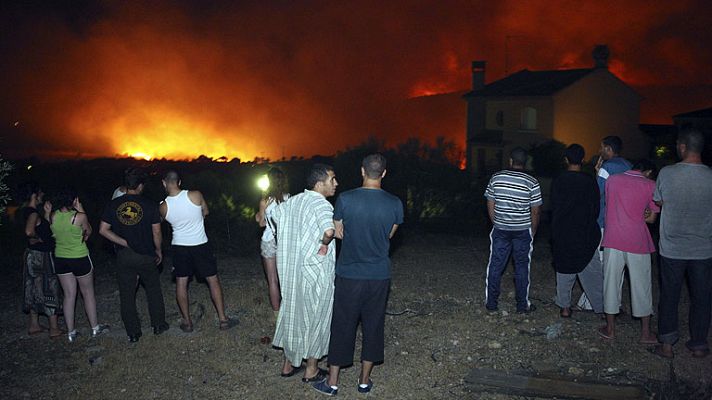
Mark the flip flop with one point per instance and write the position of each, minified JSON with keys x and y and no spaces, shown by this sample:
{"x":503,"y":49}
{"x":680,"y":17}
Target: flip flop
{"x":603,"y":332}
{"x":187,"y":328}
{"x":37,"y":332}
{"x":321,"y":374}
{"x":227,"y":324}
{"x":658,"y":351}
{"x":59,"y":333}
{"x":648,"y":341}
{"x":295,"y":370}
{"x":698,"y":353}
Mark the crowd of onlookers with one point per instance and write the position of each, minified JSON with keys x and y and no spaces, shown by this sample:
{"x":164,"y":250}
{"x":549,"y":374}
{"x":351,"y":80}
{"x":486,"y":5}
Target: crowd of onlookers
{"x":599,"y":227}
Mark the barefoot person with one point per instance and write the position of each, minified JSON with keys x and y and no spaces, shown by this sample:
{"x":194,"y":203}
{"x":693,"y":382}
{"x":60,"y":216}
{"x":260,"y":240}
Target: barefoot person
{"x":513,"y":203}
{"x":134,"y":224}
{"x":71,"y":229}
{"x":366,"y":219}
{"x":575,"y":235}
{"x":627,"y":242}
{"x":41,"y":291}
{"x":277,"y":192}
{"x":306,"y":259}
{"x":185,"y":210}
{"x":684,"y":191}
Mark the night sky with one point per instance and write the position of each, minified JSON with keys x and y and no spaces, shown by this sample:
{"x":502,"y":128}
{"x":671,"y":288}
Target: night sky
{"x":272,"y":78}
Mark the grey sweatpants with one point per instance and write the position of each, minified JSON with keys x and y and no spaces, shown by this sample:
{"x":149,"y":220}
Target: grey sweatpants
{"x":591,"y":279}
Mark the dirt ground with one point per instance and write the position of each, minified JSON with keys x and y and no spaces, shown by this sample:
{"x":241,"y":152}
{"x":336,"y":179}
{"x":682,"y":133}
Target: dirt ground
{"x":438,"y":331}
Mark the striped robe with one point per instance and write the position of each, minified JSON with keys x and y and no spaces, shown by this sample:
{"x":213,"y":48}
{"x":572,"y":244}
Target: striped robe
{"x":306,"y":278}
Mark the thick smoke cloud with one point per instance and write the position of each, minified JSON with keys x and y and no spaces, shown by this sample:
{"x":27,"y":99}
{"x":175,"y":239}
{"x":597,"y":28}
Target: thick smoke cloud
{"x":180,"y":79}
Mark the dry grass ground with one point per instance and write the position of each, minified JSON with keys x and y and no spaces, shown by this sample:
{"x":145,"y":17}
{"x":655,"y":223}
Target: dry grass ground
{"x":438,"y":333}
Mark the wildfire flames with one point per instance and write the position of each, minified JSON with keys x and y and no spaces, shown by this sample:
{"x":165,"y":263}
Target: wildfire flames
{"x":235,"y":79}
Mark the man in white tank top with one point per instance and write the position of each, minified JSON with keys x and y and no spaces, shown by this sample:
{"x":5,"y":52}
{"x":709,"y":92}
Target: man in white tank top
{"x":185,"y":210}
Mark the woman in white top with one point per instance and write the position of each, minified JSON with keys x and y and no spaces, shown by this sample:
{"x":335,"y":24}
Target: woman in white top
{"x":277,"y":192}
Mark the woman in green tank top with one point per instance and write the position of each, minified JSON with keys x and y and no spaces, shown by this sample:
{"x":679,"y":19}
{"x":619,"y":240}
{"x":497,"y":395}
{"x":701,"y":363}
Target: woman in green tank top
{"x":71,"y":228}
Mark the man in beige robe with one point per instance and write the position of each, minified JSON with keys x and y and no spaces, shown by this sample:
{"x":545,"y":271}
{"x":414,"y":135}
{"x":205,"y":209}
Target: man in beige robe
{"x":306,"y":258}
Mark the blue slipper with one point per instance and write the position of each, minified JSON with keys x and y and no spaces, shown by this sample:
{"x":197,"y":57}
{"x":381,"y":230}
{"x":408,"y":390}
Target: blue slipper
{"x":367,"y":388}
{"x":323,"y":387}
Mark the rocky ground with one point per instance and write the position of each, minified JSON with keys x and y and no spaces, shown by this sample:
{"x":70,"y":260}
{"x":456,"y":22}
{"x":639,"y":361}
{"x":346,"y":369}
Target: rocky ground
{"x":437,"y":331}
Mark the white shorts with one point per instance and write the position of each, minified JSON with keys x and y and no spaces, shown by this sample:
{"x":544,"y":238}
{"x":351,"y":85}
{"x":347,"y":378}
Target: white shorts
{"x":268,"y":249}
{"x":614,"y":262}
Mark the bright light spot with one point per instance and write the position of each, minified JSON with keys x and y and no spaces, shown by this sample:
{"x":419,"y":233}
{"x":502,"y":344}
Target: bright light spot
{"x":141,"y":155}
{"x":29,"y":167}
{"x":17,"y":123}
{"x":263,"y":183}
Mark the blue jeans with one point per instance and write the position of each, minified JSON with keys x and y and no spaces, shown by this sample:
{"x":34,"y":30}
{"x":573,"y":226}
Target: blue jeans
{"x":519,"y":245}
{"x":699,"y":282}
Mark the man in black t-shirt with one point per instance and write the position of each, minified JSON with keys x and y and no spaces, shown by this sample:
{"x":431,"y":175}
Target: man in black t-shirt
{"x":575,"y":234}
{"x":133,"y":223}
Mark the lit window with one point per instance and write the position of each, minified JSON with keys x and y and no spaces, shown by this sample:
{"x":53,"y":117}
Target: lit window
{"x":528,"y":121}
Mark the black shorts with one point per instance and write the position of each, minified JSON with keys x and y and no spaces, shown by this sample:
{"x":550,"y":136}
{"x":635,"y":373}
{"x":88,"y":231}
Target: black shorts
{"x":198,"y":260}
{"x":77,"y":266}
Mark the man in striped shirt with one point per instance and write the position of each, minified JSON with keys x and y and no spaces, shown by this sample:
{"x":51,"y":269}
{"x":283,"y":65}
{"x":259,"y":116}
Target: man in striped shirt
{"x":513,"y":202}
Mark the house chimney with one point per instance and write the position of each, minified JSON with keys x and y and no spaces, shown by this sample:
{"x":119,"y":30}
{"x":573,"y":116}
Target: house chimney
{"x":600,"y":56}
{"x":478,"y":75}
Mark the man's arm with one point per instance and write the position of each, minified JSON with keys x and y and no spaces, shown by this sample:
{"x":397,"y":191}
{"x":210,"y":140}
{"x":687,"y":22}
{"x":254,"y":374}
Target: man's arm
{"x":536,"y":210}
{"x":393,"y":231}
{"x":325,"y":240}
{"x":490,"y":209}
{"x":339,"y":225}
{"x":650,"y":217}
{"x":197,"y":198}
{"x":105,"y":231}
{"x":163,"y":210}
{"x":157,"y":241}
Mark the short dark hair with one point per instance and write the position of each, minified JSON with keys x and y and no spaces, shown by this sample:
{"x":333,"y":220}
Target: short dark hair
{"x":574,"y":154}
{"x":693,"y":139}
{"x":614,"y":142}
{"x":171,"y":176}
{"x":133,"y":177}
{"x":318,"y":173}
{"x":645,"y":164}
{"x":374,"y":165}
{"x":518,"y":156}
{"x":65,"y":197}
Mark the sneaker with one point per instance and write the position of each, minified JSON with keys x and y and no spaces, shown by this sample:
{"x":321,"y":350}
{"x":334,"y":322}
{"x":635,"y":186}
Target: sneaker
{"x":365,"y":387}
{"x":528,"y":310}
{"x":72,"y":336}
{"x":157,"y":330}
{"x":99,"y":330}
{"x":324,"y":388}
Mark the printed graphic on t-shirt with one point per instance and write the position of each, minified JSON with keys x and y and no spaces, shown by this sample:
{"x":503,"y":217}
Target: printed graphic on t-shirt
{"x":129,"y":213}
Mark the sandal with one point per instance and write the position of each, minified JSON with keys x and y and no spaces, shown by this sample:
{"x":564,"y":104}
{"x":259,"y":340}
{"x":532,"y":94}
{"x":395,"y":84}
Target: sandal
{"x":603,"y":332}
{"x":295,"y":370}
{"x":58,"y":333}
{"x":321,"y":374}
{"x":187,"y":328}
{"x":658,"y":351}
{"x":227,"y":324}
{"x":37,"y":332}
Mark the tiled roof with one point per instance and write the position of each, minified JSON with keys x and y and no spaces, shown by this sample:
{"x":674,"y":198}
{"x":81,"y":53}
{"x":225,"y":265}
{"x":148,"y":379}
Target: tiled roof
{"x":703,"y":113}
{"x":532,"y":83}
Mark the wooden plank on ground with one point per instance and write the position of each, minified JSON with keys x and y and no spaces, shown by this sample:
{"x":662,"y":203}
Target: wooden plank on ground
{"x":551,"y":387}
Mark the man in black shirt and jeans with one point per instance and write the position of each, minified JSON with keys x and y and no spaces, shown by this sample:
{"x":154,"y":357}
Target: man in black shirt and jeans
{"x":133,"y":223}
